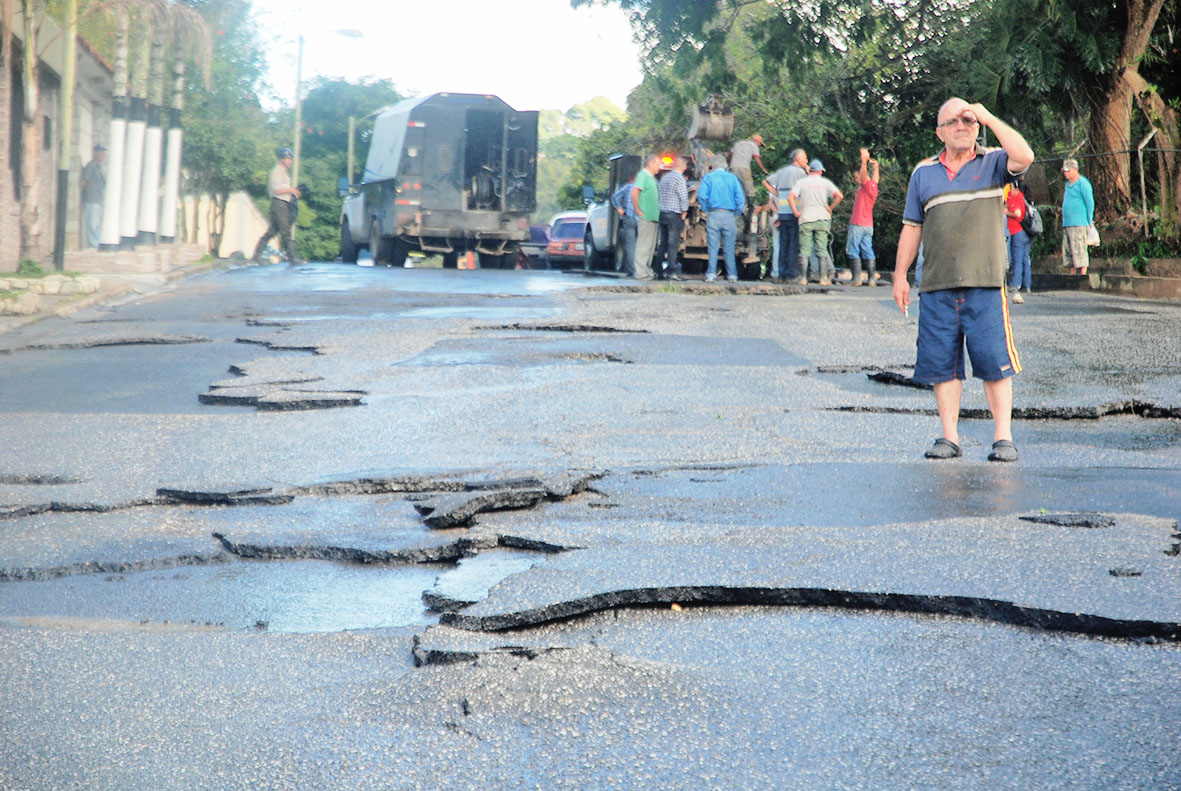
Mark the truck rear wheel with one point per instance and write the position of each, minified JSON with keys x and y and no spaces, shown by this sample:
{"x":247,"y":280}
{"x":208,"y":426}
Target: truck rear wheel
{"x":348,"y":248}
{"x":379,"y":246}
{"x":504,"y":261}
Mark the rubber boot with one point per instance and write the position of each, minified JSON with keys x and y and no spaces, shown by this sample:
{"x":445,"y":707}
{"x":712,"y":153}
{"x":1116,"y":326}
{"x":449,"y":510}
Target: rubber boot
{"x":855,"y":265}
{"x":872,"y":270}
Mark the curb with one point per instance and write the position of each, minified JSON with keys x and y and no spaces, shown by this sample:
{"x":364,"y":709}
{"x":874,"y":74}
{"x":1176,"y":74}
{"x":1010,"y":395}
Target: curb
{"x":109,"y":294}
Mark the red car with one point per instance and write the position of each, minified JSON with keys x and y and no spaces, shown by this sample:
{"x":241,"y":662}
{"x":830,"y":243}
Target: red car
{"x":566,"y":232}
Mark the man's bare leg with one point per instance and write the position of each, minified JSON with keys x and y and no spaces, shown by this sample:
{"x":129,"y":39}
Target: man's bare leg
{"x":1000,"y":402}
{"x":947,"y":401}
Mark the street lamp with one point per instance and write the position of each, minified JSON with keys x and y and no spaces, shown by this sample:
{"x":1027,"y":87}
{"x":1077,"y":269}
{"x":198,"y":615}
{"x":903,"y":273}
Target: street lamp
{"x":349,"y":33}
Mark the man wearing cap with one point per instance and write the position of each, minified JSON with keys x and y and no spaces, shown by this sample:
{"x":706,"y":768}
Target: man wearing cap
{"x":282,"y":193}
{"x":954,"y":208}
{"x":1078,"y":215}
{"x":93,"y":186}
{"x":812,"y":200}
{"x":721,"y":198}
{"x":779,"y":185}
{"x":740,"y":157}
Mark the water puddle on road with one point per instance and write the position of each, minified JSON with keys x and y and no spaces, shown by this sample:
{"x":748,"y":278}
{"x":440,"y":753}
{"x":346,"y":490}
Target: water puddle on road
{"x":507,"y":313}
{"x":299,"y":596}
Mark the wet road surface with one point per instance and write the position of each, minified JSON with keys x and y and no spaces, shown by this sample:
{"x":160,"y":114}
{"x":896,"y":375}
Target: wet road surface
{"x":737,"y":451}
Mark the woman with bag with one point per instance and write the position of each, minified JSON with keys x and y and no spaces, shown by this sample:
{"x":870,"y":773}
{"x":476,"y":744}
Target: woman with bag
{"x":1016,"y":207}
{"x":1078,"y":217}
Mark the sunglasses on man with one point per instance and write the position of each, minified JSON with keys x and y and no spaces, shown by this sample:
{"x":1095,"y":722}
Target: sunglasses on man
{"x":965,"y":120}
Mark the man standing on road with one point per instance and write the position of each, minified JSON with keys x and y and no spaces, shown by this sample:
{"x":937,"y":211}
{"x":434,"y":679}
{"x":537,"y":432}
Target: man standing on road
{"x":722,"y":199}
{"x":674,"y":207}
{"x":953,"y":207}
{"x":809,"y":200}
{"x":282,"y":193}
{"x":94,"y":186}
{"x":622,"y":201}
{"x":646,"y":201}
{"x":1078,"y":215}
{"x":740,"y":157}
{"x":859,"y":245}
{"x":780,"y":185}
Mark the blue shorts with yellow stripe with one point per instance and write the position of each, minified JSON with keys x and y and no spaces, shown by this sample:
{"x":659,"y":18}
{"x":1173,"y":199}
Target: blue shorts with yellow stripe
{"x":954,"y":318}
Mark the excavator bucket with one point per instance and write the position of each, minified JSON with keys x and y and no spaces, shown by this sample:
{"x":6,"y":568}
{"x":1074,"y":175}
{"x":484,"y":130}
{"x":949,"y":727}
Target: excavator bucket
{"x":711,"y":120}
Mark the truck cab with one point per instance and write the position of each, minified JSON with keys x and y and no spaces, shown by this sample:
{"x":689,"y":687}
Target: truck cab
{"x":446,"y":173}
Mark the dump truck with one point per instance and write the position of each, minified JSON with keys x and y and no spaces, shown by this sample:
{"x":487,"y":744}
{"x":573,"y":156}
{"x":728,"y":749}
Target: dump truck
{"x":711,"y":120}
{"x":448,"y":173}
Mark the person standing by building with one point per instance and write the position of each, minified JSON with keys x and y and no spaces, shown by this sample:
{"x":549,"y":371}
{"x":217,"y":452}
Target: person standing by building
{"x":953,"y":208}
{"x":859,"y":244}
{"x":1019,"y":241}
{"x":780,"y":185}
{"x":282,"y":193}
{"x":622,"y":201}
{"x":93,"y":186}
{"x":646,"y":201}
{"x":1078,"y":215}
{"x":722,"y":199}
{"x":740,"y":158}
{"x":810,"y":202}
{"x":674,"y":207}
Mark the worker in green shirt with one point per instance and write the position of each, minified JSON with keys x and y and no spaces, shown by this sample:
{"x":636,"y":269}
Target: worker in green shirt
{"x":646,"y":199}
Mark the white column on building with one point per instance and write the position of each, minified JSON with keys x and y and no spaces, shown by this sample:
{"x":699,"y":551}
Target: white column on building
{"x":117,"y":141}
{"x":133,"y":165}
{"x":149,"y":186}
{"x":168,"y":201}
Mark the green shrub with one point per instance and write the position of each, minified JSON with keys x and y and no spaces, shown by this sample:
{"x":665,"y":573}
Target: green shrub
{"x":28,"y":269}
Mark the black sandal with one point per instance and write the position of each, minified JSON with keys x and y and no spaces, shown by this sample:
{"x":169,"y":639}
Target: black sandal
{"x":943,"y":449}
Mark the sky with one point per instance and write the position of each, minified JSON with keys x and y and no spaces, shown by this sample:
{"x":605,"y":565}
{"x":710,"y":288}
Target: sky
{"x":533,"y":54}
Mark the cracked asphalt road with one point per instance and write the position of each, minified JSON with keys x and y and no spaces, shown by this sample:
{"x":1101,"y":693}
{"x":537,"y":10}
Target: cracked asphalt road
{"x":724,"y":561}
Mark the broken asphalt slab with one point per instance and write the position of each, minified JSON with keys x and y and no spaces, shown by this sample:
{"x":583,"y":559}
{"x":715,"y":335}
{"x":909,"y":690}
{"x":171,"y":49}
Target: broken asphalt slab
{"x":1005,"y":569}
{"x":375,"y":520}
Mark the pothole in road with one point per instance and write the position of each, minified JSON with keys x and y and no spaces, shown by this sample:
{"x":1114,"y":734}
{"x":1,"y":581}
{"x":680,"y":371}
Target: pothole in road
{"x":299,"y":596}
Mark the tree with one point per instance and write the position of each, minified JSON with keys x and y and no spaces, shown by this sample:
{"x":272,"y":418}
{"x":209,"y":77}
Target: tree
{"x":327,"y":108}
{"x":30,"y":179}
{"x":1083,"y":59}
{"x":226,"y":146}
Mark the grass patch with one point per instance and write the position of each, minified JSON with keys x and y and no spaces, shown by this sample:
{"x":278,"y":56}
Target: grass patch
{"x":29,"y":269}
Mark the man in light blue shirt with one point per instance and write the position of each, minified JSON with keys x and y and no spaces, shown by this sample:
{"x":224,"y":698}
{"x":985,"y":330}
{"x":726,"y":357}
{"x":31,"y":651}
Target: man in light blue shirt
{"x":1078,"y":215}
{"x":722,"y":199}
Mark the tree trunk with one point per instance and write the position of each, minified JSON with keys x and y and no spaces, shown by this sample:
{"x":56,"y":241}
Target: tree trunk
{"x":1110,"y":140}
{"x":7,"y":17}
{"x":1164,"y":119}
{"x":30,"y":166}
{"x":65,"y":137}
{"x":171,"y":195}
{"x":149,"y":192}
{"x":1111,"y":114}
{"x":137,"y":124}
{"x":117,"y":141}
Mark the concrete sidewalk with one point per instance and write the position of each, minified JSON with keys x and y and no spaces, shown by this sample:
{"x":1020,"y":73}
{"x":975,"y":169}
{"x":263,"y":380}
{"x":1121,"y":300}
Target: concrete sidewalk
{"x":95,"y":277}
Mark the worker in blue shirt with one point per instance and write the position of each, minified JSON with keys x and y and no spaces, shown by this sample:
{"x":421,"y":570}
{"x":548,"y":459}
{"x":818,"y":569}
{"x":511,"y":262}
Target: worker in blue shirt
{"x":622,"y":201}
{"x":722,"y":199}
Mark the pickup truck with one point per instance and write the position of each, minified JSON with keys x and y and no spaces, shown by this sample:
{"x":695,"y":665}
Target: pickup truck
{"x":448,"y":173}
